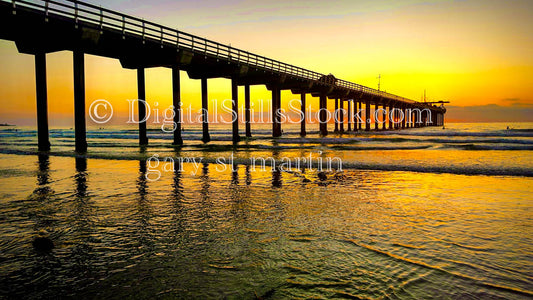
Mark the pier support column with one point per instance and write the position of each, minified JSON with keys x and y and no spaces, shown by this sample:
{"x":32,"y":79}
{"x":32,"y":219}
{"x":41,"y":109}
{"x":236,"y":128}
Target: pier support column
{"x":235,"y":111}
{"x":42,"y":102}
{"x":384,"y":118}
{"x":176,"y":102}
{"x":205,"y":109}
{"x":247,"y":111}
{"x":302,"y":121}
{"x":376,"y":117}
{"x":354,"y":115}
{"x":404,"y":109}
{"x":411,"y":119}
{"x":341,"y":114}
{"x":141,"y":94}
{"x":359,"y":110}
{"x":323,"y":114}
{"x":367,"y":116}
{"x":336,"y":115}
{"x":396,"y":117}
{"x":349,"y":115}
{"x":80,"y":130}
{"x":376,"y":123}
{"x":389,"y":116}
{"x":276,"y":106}
{"x":407,"y":116}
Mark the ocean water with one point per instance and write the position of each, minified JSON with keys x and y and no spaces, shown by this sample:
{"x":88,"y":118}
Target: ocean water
{"x":413,"y":214}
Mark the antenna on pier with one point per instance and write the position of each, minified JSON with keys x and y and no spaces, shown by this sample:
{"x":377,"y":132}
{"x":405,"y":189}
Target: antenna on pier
{"x":379,"y":82}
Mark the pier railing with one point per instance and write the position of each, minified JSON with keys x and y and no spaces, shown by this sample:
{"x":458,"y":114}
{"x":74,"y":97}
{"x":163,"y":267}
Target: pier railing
{"x":103,"y":18}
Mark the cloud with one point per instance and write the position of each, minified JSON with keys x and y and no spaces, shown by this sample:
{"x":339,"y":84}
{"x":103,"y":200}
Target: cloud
{"x":207,"y":13}
{"x":517,"y":102}
{"x":516,"y":112}
{"x":511,"y":99}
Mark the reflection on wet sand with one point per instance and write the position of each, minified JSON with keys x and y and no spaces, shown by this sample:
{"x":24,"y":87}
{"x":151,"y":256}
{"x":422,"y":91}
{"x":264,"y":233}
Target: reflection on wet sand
{"x":42,"y":208}
{"x":248,"y":175}
{"x":178,"y":221}
{"x":144,"y":211}
{"x":83,"y":214}
{"x":241,"y":233}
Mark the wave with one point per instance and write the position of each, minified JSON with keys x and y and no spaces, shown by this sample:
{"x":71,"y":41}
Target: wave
{"x":226,"y":136}
{"x":449,"y":169}
{"x":474,"y":280}
{"x":346,"y":165}
{"x":290,"y":144}
{"x":230,"y":147}
{"x":501,"y":133}
{"x":490,"y":147}
{"x":391,"y":136}
{"x":451,"y":141}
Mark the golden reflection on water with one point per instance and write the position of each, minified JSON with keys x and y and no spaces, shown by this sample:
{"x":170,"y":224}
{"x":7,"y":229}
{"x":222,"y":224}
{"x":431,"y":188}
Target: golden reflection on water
{"x":206,"y":232}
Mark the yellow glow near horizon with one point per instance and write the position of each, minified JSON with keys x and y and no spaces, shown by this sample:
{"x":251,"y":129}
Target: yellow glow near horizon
{"x":469,"y":52}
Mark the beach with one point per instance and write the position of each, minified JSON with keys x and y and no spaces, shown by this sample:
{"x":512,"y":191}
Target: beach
{"x":419,"y":213}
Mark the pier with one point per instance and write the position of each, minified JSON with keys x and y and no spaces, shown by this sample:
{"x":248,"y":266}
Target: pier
{"x":41,"y":27}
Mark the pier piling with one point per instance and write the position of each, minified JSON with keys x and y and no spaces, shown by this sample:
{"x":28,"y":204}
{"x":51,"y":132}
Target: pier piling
{"x":322,"y":116}
{"x":235,"y":111}
{"x":359,"y":109}
{"x":276,"y":106}
{"x":141,"y":94}
{"x":349,"y":103}
{"x":376,"y":120}
{"x":367,"y":116}
{"x":247,"y":111}
{"x":42,"y":102}
{"x":205,"y":109}
{"x":176,"y":102}
{"x":341,"y":115}
{"x":336,"y":115}
{"x":302,"y":120}
{"x":79,"y":102}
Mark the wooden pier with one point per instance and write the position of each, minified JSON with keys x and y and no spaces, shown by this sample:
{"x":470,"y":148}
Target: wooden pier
{"x":40,"y":27}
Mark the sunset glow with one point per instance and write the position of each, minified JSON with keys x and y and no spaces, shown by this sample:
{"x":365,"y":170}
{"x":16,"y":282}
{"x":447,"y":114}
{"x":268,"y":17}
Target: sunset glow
{"x":471,"y":53}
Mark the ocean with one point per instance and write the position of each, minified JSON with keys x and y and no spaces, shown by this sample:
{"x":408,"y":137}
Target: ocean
{"x":412,"y":214}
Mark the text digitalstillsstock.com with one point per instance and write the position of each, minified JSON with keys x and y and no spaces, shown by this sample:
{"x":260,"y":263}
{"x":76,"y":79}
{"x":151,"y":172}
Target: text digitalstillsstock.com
{"x":101,"y":111}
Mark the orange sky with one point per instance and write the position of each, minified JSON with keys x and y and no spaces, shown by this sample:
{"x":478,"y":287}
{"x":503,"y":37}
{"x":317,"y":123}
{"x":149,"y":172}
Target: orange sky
{"x":472,"y":53}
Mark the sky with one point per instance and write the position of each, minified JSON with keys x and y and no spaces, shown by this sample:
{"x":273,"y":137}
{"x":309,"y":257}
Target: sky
{"x":477,"y":54}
